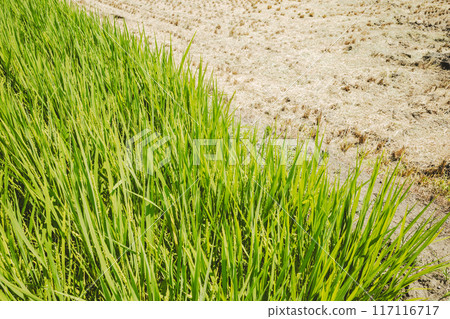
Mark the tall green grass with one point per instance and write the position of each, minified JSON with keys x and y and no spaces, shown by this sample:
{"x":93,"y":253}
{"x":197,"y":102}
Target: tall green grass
{"x":77,"y":221}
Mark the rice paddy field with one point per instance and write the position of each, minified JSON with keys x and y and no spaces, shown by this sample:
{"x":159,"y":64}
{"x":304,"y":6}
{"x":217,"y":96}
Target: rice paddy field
{"x":80,"y":221}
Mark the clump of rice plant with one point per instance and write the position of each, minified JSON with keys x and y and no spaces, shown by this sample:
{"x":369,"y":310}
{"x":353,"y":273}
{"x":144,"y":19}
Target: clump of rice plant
{"x":77,"y":221}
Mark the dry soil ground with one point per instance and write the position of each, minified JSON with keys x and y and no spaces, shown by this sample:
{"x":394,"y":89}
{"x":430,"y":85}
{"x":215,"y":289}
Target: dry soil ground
{"x":374,"y":74}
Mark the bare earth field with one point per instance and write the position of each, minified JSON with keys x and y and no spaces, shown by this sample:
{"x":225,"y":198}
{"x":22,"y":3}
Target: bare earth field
{"x":374,"y":75}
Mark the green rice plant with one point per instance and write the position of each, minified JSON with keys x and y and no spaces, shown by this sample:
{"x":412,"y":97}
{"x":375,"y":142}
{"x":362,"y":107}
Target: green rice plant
{"x":77,"y":221}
